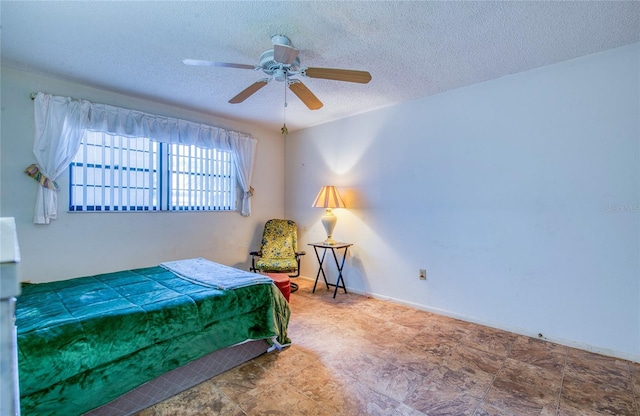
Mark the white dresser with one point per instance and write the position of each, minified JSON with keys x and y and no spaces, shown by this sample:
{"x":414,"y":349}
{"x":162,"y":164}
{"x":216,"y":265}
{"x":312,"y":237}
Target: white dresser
{"x":9,"y":289}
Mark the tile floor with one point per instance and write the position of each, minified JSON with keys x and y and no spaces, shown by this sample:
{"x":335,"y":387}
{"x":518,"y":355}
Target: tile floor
{"x":358,"y":356}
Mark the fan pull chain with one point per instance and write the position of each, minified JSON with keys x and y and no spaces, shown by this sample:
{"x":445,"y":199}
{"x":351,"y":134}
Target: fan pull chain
{"x":284,"y":129}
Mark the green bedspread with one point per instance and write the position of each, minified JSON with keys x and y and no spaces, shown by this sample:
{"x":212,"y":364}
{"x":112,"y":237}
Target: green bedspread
{"x":85,"y":341}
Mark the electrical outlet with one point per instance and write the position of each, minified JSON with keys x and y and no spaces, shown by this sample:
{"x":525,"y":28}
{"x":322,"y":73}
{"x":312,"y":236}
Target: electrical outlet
{"x":423,"y":274}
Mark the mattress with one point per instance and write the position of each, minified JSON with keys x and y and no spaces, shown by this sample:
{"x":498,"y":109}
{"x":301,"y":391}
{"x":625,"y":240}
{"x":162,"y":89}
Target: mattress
{"x":83,"y":342}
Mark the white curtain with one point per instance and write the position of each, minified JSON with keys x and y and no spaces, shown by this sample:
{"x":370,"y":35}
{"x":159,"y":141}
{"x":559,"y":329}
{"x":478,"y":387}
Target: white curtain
{"x":244,"y":154}
{"x":61,"y":122}
{"x":58,"y":133}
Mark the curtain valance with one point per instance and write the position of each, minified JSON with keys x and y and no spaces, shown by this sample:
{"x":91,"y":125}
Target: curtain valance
{"x":60,"y":123}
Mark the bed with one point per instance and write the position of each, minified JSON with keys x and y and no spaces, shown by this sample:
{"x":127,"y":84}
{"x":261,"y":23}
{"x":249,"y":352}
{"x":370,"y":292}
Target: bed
{"x":84,"y":342}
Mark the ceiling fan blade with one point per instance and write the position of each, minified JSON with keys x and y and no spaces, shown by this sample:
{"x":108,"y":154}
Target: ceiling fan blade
{"x":248,"y":92}
{"x":198,"y":62}
{"x":305,"y":95}
{"x":284,"y":54}
{"x":348,"y":75}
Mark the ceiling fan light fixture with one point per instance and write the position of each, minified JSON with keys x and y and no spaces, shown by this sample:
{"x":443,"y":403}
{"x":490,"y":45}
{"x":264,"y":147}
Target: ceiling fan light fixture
{"x":280,"y":75}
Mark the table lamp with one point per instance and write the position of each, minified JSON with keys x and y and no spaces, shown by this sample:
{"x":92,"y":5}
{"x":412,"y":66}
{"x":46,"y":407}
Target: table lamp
{"x":328,"y":198}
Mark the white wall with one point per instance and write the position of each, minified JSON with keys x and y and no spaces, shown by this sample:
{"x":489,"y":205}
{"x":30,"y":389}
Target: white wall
{"x":519,"y":196}
{"x":78,"y":244}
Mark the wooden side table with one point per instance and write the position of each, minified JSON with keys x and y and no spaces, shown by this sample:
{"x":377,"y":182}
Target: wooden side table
{"x":339,"y":264}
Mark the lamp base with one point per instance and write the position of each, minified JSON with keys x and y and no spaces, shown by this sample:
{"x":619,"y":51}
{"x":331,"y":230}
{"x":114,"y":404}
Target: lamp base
{"x":329,"y":222}
{"x":329,"y":242}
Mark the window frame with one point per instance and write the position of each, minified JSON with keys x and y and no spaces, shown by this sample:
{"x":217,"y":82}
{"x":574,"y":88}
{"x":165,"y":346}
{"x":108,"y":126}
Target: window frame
{"x":164,"y":198}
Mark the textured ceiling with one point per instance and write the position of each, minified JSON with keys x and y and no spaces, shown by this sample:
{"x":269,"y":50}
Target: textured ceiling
{"x":411,"y":49}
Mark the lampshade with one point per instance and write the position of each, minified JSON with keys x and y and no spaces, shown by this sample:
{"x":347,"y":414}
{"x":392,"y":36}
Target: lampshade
{"x":328,"y":197}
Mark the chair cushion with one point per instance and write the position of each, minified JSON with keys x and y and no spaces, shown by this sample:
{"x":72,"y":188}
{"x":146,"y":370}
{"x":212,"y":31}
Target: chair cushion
{"x":276,"y":265}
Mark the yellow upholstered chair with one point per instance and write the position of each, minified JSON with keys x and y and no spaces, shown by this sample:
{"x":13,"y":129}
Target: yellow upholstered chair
{"x":279,"y":250}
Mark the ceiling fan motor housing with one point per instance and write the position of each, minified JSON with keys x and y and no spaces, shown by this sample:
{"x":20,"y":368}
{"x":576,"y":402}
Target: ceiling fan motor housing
{"x":269,"y":65}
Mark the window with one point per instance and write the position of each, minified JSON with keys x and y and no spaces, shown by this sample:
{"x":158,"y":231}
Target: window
{"x":200,"y":179}
{"x":116,"y":173}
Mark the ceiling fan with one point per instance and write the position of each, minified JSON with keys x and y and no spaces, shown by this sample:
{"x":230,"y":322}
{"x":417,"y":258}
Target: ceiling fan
{"x":282,"y":63}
